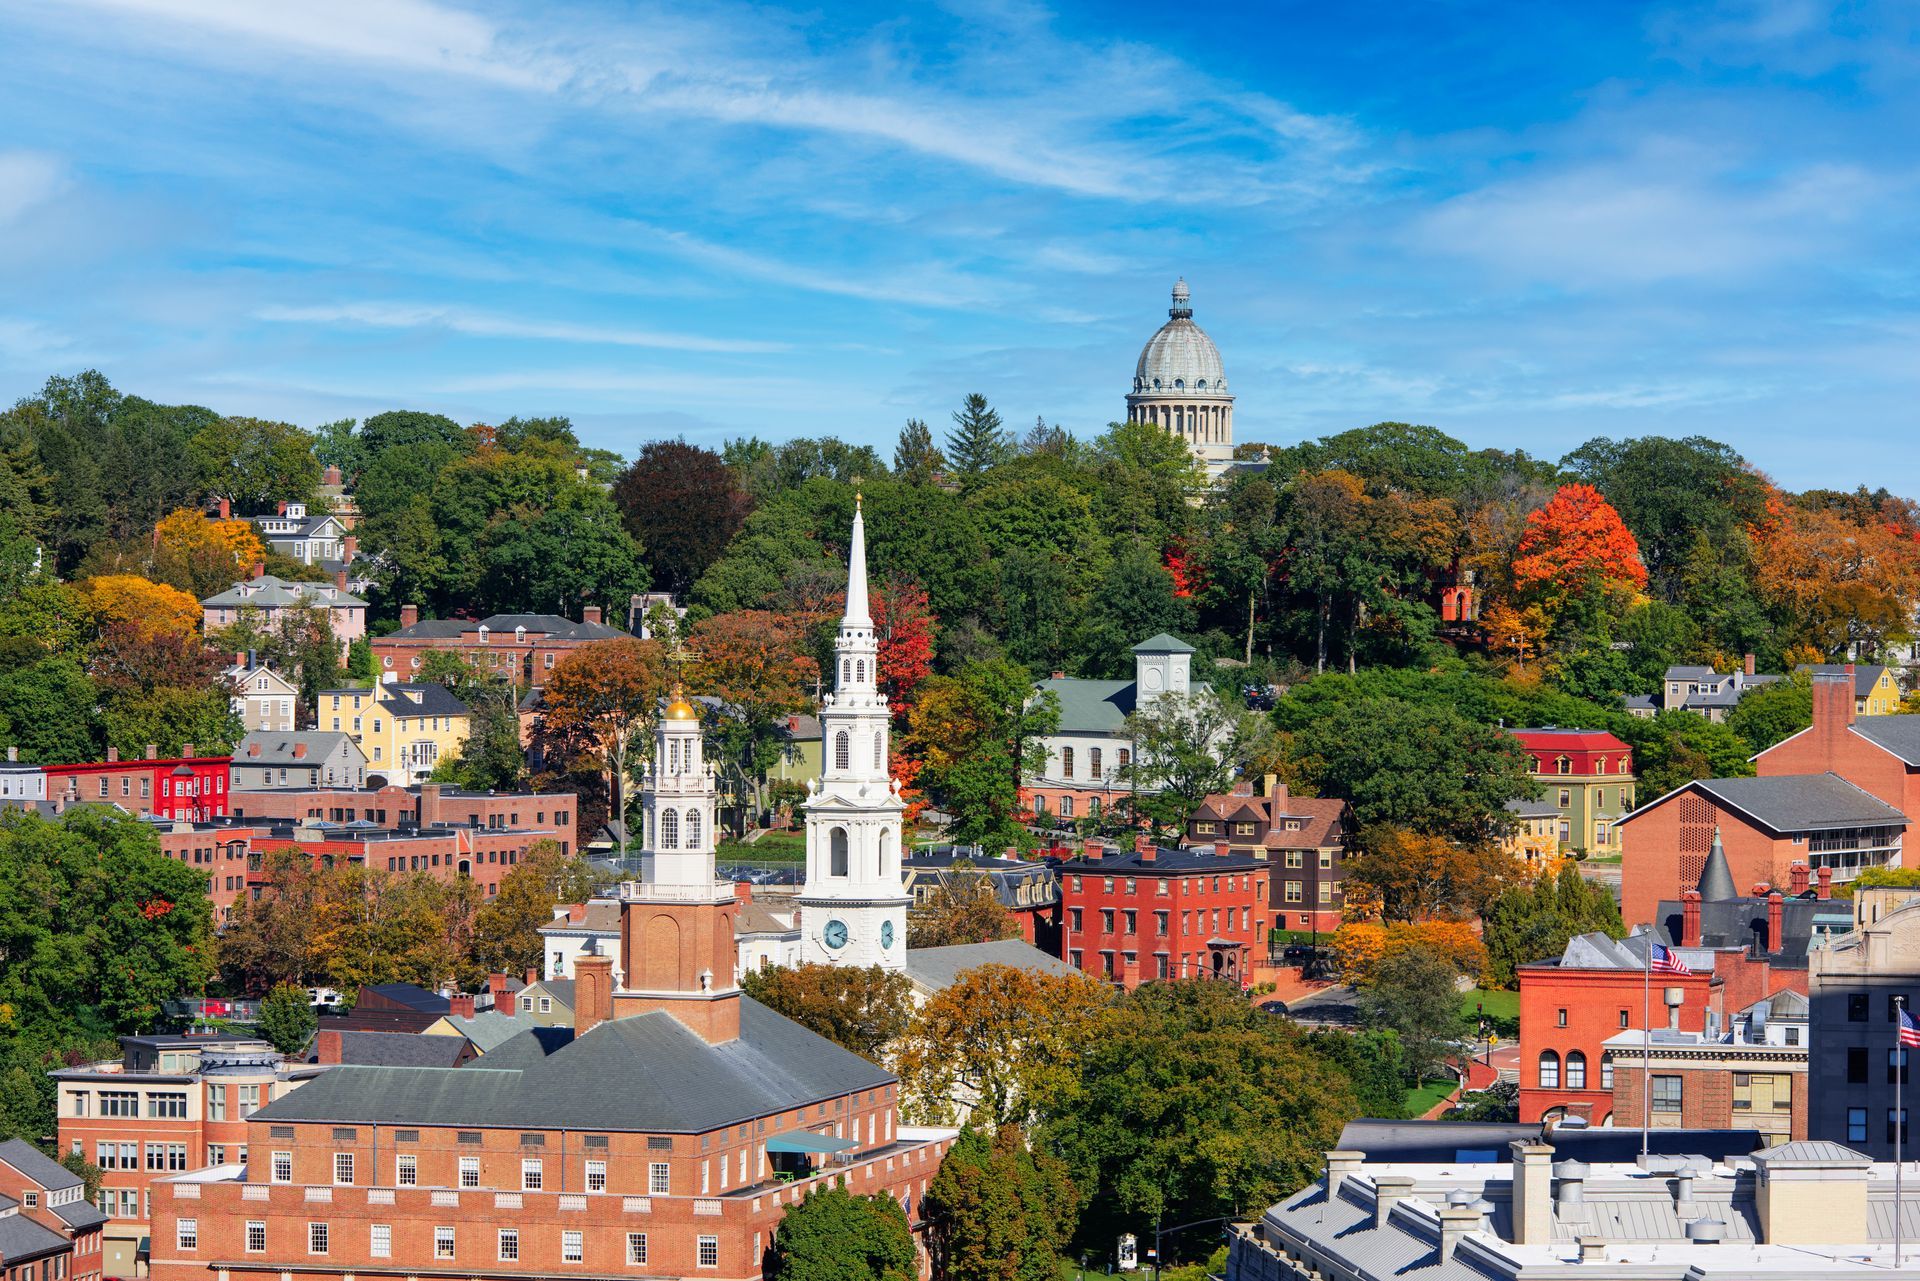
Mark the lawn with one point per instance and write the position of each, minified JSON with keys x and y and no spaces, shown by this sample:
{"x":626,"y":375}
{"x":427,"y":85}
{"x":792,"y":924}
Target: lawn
{"x":774,"y":847}
{"x":1495,"y":1004}
{"x":1428,"y":1094}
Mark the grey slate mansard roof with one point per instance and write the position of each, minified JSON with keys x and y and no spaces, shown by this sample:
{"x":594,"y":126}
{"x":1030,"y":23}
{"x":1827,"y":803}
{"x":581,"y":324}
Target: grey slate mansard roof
{"x":38,"y":1166}
{"x":646,"y":1073}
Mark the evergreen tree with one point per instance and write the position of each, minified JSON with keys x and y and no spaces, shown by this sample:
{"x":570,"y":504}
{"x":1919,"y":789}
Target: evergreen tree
{"x":977,"y":440}
{"x":916,"y":458}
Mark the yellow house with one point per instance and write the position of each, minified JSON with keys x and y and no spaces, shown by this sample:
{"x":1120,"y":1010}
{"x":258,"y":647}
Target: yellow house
{"x":1534,"y":838}
{"x":404,"y":729}
{"x":1875,"y":691}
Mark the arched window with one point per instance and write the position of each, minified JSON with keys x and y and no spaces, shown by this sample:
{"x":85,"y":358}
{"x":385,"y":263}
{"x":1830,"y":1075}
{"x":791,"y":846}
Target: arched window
{"x":669,"y":829}
{"x":1066,"y":807}
{"x":860,"y":669}
{"x":519,"y":635}
{"x":837,"y":852}
{"x":1093,"y":761}
{"x":1576,"y":1070}
{"x":1126,"y":757}
{"x":846,"y":671}
{"x":1066,"y":762}
{"x":693,"y":829}
{"x":1563,"y":765}
{"x":879,"y":750}
{"x":1549,"y":1070}
{"x":840,"y":750}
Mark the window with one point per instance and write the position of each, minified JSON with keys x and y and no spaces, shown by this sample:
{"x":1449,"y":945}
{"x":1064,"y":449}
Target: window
{"x":1549,"y":1070}
{"x":841,"y":753}
{"x":1326,"y":859}
{"x":380,"y":1240}
{"x":1093,"y":762}
{"x":1562,"y":765}
{"x":1666,"y":1094}
{"x":837,"y":852}
{"x":1294,"y":894}
{"x":257,"y":1230}
{"x":709,"y":1252}
{"x":283,"y":1167}
{"x":170,"y":1106}
{"x":217,"y":1103}
{"x":1623,"y":1019}
{"x":1606,"y":1071}
{"x":1856,"y":1125}
{"x":1576,"y":1070}
{"x":316,"y":1238}
{"x":1066,"y":807}
{"x":657,"y":1178}
{"x":879,"y":751}
{"x":343,"y":1167}
{"x":119,"y":1103}
{"x":509,"y":1245}
{"x":1857,"y":1008}
{"x":1898,"y":1069}
{"x":1560,"y":1018}
{"x":636,"y":1247}
{"x":406,"y":1170}
{"x":469,"y":1171}
{"x":693,"y":829}
{"x":572,"y":1247}
{"x":669,"y":829}
{"x":1566,"y":798}
{"x":186,"y":1233}
{"x":526,"y":1005}
{"x":530,"y":1175}
{"x":546,"y":1005}
{"x":1793,"y":1035}
{"x":596,"y":1176}
{"x":1296,"y":859}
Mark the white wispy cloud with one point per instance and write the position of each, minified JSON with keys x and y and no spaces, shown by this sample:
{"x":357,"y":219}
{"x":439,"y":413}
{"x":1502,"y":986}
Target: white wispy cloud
{"x":481,"y":324}
{"x":28,"y":179}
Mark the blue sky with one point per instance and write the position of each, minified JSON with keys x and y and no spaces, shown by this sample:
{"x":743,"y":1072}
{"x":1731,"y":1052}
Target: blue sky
{"x":1527,"y":224}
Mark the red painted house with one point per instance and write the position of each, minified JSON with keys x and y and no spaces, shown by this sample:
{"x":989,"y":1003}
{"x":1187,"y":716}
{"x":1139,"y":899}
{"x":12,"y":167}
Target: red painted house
{"x":180,"y":787}
{"x":1152,"y":913}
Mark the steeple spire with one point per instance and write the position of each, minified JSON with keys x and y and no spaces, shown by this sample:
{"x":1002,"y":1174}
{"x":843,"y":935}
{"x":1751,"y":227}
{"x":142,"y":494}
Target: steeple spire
{"x":857,"y":614}
{"x":1716,"y":878}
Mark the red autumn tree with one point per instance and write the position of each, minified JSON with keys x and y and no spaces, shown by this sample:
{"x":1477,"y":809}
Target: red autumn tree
{"x":1575,"y":539}
{"x":905,"y":626}
{"x":607,"y":695}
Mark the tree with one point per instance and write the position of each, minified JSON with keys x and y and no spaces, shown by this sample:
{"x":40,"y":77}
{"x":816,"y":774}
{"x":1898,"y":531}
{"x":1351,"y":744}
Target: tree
{"x":683,"y":506}
{"x":397,"y":428}
{"x":1835,"y":581}
{"x":916,"y":459}
{"x":202,"y":556}
{"x":1412,"y":994}
{"x":998,"y":1210}
{"x":287,"y":1018}
{"x":963,"y":908}
{"x":89,"y":1173}
{"x":1575,"y":541}
{"x":1423,"y":767}
{"x":753,"y":664}
{"x":1414,"y":876}
{"x":149,"y":608}
{"x":608,"y":693}
{"x":976,"y":736}
{"x":1001,"y":1044}
{"x":491,"y":758}
{"x":903,"y":625}
{"x":863,"y":1010}
{"x":506,"y":929}
{"x":1187,"y":747}
{"x":252,"y":462}
{"x":1360,"y":946}
{"x":1194,"y":1105}
{"x":47,"y":709}
{"x":835,"y":1236}
{"x":1766,"y":715}
{"x":978,"y":441}
{"x":1534,"y":922}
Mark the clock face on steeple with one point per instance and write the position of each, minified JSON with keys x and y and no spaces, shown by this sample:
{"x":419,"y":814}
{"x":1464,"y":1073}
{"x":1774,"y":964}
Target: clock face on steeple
{"x":886,"y":934}
{"x":834,"y":935}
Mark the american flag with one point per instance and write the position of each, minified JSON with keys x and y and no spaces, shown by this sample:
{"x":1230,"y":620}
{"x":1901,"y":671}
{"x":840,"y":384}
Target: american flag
{"x":1909,"y":1030}
{"x":1664,"y":960}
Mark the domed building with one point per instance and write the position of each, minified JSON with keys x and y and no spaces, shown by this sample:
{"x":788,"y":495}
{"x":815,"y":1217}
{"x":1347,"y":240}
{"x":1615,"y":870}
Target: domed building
{"x":1180,"y":384}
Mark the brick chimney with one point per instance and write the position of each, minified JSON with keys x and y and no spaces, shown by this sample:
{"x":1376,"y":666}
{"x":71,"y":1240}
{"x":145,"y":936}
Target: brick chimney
{"x":153,"y":751}
{"x":113,"y":754}
{"x":743,"y":891}
{"x":1145,"y":848}
{"x":1797,"y":878}
{"x":1746,"y":664}
{"x":1774,"y":915}
{"x":186,"y":751}
{"x":340,"y":579}
{"x":1059,"y":676}
{"x":1222,"y":850}
{"x":430,"y":807}
{"x":349,"y":547}
{"x":326,"y":1047}
{"x":280,"y":508}
{"x":409,"y":615}
{"x":331,"y":476}
{"x":590,"y":614}
{"x":259,"y":569}
{"x":460,"y":1005}
{"x":1690,"y":919}
{"x":592,"y":990}
{"x":1832,"y":712}
{"x":1241,"y":787}
{"x":502,"y":996}
{"x":226,"y":509}
{"x":1826,"y":883}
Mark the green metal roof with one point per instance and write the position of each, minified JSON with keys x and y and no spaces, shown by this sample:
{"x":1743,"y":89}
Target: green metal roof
{"x":1163,"y":644}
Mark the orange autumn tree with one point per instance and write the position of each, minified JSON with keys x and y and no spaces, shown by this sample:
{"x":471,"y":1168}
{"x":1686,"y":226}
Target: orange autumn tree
{"x":1577,"y":539}
{"x":605,"y":697}
{"x":1836,"y":579}
{"x":1361,"y":946}
{"x":755,"y":663}
{"x":202,"y":556}
{"x":150,"y":609}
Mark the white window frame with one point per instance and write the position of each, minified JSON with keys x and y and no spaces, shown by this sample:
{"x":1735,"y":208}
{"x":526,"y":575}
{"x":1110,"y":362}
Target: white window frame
{"x":380,"y":1241}
{"x":573,"y":1246}
{"x":186,"y":1234}
{"x":342,"y":1168}
{"x":282,"y":1167}
{"x":469,"y":1171}
{"x":637,"y":1249}
{"x":596,"y":1176}
{"x":507,"y":1245}
{"x":406,"y":1170}
{"x":659,"y":1178}
{"x":256,"y":1230}
{"x":533,"y":1176}
{"x":318,"y":1238}
{"x":444,"y":1242}
{"x":707,"y":1252}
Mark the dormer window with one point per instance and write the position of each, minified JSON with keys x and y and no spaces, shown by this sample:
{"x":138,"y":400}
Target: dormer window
{"x":1563,"y":765}
{"x":519,"y":635}
{"x":483,"y":633}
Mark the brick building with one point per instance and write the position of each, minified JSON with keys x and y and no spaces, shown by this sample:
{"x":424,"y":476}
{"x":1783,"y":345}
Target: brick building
{"x":1151,"y":913}
{"x":1588,"y":776}
{"x":1303,"y":841}
{"x":1027,"y":888}
{"x":48,"y":1229}
{"x":1880,"y":754}
{"x":1572,"y":1004}
{"x":422,"y":805}
{"x":170,"y":1103}
{"x":1752,"y":1076}
{"x":522,"y":648}
{"x":185,"y":786}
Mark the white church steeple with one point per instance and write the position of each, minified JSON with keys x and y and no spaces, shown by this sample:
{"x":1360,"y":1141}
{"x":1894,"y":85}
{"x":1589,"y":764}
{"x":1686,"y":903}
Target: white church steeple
{"x":853,"y":906}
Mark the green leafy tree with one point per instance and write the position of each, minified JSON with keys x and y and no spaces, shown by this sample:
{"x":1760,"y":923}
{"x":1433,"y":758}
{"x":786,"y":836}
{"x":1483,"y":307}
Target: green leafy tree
{"x":89,"y":1173}
{"x":916,"y":459}
{"x":1412,"y":994}
{"x":998,"y":1210}
{"x":506,"y":929}
{"x":860,"y":1009}
{"x":1767,"y":715}
{"x":287,"y":1018}
{"x":1534,"y":922}
{"x":978,"y":440}
{"x":836,"y":1236}
{"x":1676,"y":747}
{"x":47,"y":709}
{"x":976,"y":736}
{"x":253,"y":462}
{"x":401,"y":427}
{"x":1187,"y":747}
{"x":338,"y":444}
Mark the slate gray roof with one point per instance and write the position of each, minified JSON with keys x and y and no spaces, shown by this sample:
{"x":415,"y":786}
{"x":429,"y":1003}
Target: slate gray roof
{"x":1742,"y":922}
{"x":1520,"y":807}
{"x":1163,"y":644}
{"x":21,"y":1238}
{"x":1802,"y":802}
{"x":277,"y":593}
{"x":1090,"y":707}
{"x":425,"y":699}
{"x":38,"y":1166}
{"x":487,"y":1029}
{"x":560,"y":990}
{"x":1865,"y":675}
{"x":80,"y":1215}
{"x":412,"y":996}
{"x":400,"y":1049}
{"x":1691,"y":674}
{"x":936,"y":968}
{"x":647,"y":1073}
{"x":551,"y":625}
{"x":1899,"y":735}
{"x":1129,"y":862}
{"x":280,"y":747}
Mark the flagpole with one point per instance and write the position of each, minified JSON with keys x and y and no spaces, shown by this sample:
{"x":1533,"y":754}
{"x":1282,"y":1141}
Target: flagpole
{"x":1899,"y":1114}
{"x":1646,"y":1048}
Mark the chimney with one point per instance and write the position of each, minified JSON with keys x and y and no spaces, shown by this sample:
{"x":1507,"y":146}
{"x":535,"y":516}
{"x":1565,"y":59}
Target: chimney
{"x":1826,"y":883}
{"x":340,"y":579}
{"x":1832,"y":712}
{"x":226,"y":509}
{"x":1241,"y":787}
{"x":1389,"y":1190}
{"x":153,"y":751}
{"x":13,"y":754}
{"x":299,"y":751}
{"x":532,"y":976}
{"x":592,"y":989}
{"x":280,"y":508}
{"x":590,"y":614}
{"x":326,"y":1047}
{"x":331,"y":476}
{"x":1222,"y":850}
{"x":113,"y":755}
{"x":186,"y":751}
{"x":259,"y":569}
{"x":460,"y":1005}
{"x":1673,"y":998}
{"x":349,"y":547}
{"x":1746,"y":665}
{"x":1455,"y":1222}
{"x":497,"y":987}
{"x":1593,"y":1249}
{"x":1774,"y":914}
{"x":743,"y":891}
{"x":1569,"y":1197}
{"x":1339,"y":1165}
{"x":1059,"y":676}
{"x":409,"y":615}
{"x":430,"y":806}
{"x":1532,"y":1192}
{"x":1797,"y":877}
{"x":1690,"y":919}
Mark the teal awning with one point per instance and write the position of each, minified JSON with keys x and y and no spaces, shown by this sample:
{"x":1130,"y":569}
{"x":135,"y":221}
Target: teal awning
{"x":807,"y":1141}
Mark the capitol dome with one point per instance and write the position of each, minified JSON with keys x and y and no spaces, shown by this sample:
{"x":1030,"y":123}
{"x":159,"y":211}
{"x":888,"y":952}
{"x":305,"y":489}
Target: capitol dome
{"x":1180,"y":357}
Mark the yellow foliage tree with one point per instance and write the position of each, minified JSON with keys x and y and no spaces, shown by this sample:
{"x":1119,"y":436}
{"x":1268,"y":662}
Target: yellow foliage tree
{"x":1360,"y":947}
{"x":150,"y":608}
{"x":201,"y":555}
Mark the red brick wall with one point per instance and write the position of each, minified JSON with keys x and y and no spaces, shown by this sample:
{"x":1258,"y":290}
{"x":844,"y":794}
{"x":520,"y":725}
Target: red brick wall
{"x":1853,"y":758}
{"x":1706,"y":1098}
{"x":1664,"y":848}
{"x":1240,"y":902}
{"x":1593,"y":1001}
